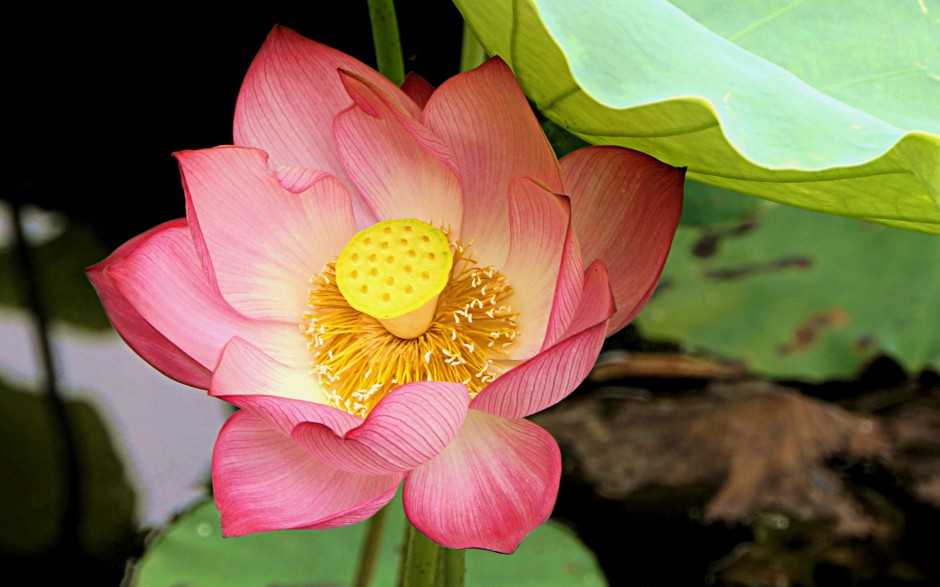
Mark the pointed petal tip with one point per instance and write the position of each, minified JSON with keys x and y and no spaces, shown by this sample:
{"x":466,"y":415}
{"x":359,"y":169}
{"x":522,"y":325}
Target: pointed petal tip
{"x":417,"y":88}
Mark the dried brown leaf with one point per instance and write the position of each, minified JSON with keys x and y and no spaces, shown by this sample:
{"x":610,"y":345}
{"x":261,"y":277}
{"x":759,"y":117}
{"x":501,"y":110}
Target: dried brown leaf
{"x":758,"y":446}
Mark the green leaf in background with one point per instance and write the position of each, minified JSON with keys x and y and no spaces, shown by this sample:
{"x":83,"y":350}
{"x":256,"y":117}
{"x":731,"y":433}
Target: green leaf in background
{"x":60,"y":263}
{"x":831,"y":105}
{"x":31,"y":480}
{"x":192,"y":552}
{"x":797,"y":295}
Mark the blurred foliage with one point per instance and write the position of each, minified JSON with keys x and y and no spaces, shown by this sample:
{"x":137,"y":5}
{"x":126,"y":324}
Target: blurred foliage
{"x":191,"y":551}
{"x":60,"y":265}
{"x":32,"y":481}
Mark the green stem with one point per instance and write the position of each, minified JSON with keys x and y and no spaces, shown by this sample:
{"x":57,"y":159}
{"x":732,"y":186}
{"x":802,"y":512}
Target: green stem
{"x":385,"y":37}
{"x":370,"y":548}
{"x":454,"y":567}
{"x":472,"y":52}
{"x":68,"y":545}
{"x":420,"y":566}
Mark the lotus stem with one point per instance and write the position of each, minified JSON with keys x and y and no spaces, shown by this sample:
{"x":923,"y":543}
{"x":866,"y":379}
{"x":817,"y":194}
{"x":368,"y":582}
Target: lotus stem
{"x":387,"y":43}
{"x":370,"y":548}
{"x":472,"y":52}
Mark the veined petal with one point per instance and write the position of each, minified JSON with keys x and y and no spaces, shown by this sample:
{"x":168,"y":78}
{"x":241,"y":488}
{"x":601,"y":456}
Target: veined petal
{"x":538,"y":229}
{"x":550,"y":376}
{"x":289,"y":98}
{"x":496,"y":482}
{"x":246,"y":370}
{"x":146,"y":341}
{"x":399,"y":167}
{"x":567,"y":290}
{"x":263,"y":481}
{"x":163,"y":280}
{"x":407,"y":428}
{"x":483,"y":116}
{"x":283,"y":414}
{"x":417,"y":88}
{"x":263,"y":240}
{"x":625,"y":208}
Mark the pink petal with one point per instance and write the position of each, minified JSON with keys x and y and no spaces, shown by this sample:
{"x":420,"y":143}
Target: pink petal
{"x":263,"y":481}
{"x":284,"y":414}
{"x":625,"y":207}
{"x":538,"y":228}
{"x":496,"y":482}
{"x":246,"y":370}
{"x":417,"y":88}
{"x":146,"y":341}
{"x":567,"y":290}
{"x":399,"y":167}
{"x":163,"y":280}
{"x":407,"y":428}
{"x":264,"y":242}
{"x":289,"y":98}
{"x":483,"y":116}
{"x":550,"y":376}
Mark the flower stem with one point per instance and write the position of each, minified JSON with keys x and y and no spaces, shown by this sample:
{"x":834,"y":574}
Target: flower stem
{"x":370,"y":548}
{"x":388,"y":54}
{"x":68,"y":546}
{"x":428,"y":565}
{"x":420,"y":566}
{"x":454,"y":567}
{"x":472,"y":52}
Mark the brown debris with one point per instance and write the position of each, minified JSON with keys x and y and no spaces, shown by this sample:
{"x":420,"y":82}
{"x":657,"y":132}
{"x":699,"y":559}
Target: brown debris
{"x":915,"y":432}
{"x":614,"y":365}
{"x":757,"y":446}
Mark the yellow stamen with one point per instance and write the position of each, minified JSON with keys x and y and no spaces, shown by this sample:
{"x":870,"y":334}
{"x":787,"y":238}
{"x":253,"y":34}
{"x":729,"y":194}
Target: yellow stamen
{"x":357,"y":360}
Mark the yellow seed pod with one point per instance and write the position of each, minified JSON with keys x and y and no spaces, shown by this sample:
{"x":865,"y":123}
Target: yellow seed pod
{"x":395,"y":268}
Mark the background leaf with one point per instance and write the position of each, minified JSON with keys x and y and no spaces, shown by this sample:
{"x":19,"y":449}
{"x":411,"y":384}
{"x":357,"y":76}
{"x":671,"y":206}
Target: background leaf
{"x":191,"y":551}
{"x":827,"y":105}
{"x":797,"y":295}
{"x":60,"y":264}
{"x":31,"y":479}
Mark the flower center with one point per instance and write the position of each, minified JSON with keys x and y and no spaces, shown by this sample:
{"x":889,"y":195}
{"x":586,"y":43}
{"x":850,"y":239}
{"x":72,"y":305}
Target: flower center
{"x":402,"y":304}
{"x":394,"y":271}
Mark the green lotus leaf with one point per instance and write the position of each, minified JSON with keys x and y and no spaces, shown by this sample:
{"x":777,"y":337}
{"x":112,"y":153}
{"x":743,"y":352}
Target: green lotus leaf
{"x":831,"y":105}
{"x":191,"y":551}
{"x":794,"y":294}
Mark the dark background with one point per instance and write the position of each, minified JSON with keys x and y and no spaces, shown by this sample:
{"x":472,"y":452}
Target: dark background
{"x":97,"y":101}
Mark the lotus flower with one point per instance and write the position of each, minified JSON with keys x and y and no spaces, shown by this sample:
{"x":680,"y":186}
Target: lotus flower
{"x":387,"y":281}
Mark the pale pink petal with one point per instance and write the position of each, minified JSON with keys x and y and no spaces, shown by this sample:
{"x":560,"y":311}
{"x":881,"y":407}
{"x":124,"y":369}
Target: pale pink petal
{"x":550,"y":376}
{"x":147,"y":342}
{"x":289,"y":98}
{"x":538,"y":228}
{"x":246,"y":370}
{"x":163,"y":280}
{"x":496,"y":482}
{"x":485,"y":119}
{"x":399,"y":167}
{"x":296,"y":179}
{"x":567,"y":290}
{"x":264,"y":241}
{"x":284,"y":414}
{"x":625,"y":208}
{"x":263,"y":481}
{"x":407,"y":428}
{"x":417,"y":88}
